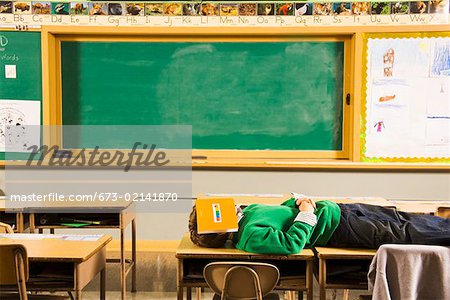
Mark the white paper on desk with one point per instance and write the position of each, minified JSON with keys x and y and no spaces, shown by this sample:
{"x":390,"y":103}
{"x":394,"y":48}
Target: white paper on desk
{"x":86,"y":238}
{"x":38,"y":237}
{"x":16,"y":118}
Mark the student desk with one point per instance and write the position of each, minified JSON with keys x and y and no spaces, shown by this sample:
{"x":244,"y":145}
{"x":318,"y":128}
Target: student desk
{"x":111,"y":214}
{"x":330,"y":267}
{"x":77,"y":261}
{"x":296,"y":271}
{"x":278,"y":199}
{"x":443,"y":211}
{"x":12,"y":218}
{"x":422,"y":207}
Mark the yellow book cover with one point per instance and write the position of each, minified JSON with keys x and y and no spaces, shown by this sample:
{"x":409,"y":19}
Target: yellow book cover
{"x":216,"y":215}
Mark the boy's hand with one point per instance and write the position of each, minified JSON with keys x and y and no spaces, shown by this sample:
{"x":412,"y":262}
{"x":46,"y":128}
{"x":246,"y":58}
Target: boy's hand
{"x":306,"y":204}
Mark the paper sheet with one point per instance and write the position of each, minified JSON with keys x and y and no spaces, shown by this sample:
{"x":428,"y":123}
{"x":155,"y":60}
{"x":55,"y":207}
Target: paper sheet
{"x":65,"y":237}
{"x":408,"y":98}
{"x":16,"y":119}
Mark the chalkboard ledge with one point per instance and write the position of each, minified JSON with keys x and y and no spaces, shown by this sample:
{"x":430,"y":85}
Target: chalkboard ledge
{"x":290,"y":165}
{"x":315,"y":165}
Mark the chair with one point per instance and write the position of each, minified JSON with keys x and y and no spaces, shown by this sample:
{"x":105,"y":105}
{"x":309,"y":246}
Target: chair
{"x":14,"y":275}
{"x":242,"y":280}
{"x":5,"y":228}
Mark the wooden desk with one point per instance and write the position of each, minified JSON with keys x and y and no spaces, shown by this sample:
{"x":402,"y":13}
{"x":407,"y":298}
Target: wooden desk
{"x":85,"y":259}
{"x":443,"y":211}
{"x":296,"y":271}
{"x":267,"y":199}
{"x":15,"y":217}
{"x":330,"y":257}
{"x":117,"y":215}
{"x":420,"y":207}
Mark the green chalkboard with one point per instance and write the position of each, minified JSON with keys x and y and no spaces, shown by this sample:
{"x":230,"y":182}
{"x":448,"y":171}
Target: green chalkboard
{"x":22,"y":50}
{"x":236,"y":95}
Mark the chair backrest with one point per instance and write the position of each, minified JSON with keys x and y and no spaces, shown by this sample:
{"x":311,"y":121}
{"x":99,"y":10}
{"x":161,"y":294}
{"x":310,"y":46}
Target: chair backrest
{"x":241,"y":280}
{"x":14,"y":267}
{"x":5,"y":228}
{"x":443,"y":212}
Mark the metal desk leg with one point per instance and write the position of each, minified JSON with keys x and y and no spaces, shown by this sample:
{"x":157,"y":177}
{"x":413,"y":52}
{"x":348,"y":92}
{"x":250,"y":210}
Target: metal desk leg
{"x":123,"y":277}
{"x":133,"y":256}
{"x":309,"y":280}
{"x":322,"y":279}
{"x":180,"y":276}
{"x":103,"y":284}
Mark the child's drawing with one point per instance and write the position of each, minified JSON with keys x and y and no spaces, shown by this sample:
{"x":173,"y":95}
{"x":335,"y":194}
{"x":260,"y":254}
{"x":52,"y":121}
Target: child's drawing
{"x":16,"y":116}
{"x":379,"y":125}
{"x":440,"y":63}
{"x":399,"y":57}
{"x":388,"y":62}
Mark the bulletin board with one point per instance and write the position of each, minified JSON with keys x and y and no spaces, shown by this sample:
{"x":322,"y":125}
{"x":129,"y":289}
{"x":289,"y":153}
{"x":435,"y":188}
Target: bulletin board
{"x":20,"y":86}
{"x":406,"y":112}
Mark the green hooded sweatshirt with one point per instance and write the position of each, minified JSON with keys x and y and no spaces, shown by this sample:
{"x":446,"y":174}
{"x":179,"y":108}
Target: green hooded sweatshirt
{"x":269,"y":229}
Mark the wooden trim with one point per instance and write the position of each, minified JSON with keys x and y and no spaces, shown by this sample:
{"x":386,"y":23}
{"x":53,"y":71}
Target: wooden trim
{"x":96,"y":34}
{"x":357,"y":94}
{"x":292,"y":165}
{"x":298,"y":165}
{"x":241,"y":31}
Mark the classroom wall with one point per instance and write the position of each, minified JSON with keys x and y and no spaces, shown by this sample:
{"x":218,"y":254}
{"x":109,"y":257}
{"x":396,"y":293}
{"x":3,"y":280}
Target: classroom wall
{"x":388,"y":184}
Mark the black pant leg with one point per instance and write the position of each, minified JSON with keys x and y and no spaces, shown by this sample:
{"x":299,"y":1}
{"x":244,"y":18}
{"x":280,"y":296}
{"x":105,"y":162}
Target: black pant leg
{"x":370,"y":226}
{"x":427,"y":229}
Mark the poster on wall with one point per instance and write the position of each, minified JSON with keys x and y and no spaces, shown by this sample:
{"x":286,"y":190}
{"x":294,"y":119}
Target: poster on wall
{"x":17,"y":117}
{"x":407,"y":112}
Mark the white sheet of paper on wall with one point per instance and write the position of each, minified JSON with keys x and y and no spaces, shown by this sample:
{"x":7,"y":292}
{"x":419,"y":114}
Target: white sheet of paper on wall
{"x":10,"y":71}
{"x":19,"y":125}
{"x":408,"y":98}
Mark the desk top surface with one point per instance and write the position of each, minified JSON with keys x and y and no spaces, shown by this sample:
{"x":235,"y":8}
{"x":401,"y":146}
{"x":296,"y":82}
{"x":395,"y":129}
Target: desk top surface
{"x":97,"y":205}
{"x":426,"y":207}
{"x":278,"y":199}
{"x":344,"y":253}
{"x":45,"y":248}
{"x":187,"y":249}
{"x":3,"y":206}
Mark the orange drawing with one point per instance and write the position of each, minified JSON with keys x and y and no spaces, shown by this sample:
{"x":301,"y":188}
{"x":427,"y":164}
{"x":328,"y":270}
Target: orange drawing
{"x":387,"y":98}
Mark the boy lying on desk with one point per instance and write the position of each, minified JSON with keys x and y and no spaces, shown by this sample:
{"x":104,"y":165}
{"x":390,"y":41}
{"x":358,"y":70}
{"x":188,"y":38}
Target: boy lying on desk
{"x":300,"y":222}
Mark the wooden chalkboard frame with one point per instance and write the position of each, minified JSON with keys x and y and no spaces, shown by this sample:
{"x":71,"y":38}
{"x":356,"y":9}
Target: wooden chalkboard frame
{"x":354,"y":78}
{"x":53,"y":113}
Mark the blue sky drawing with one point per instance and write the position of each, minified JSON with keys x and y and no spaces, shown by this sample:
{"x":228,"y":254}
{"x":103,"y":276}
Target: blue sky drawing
{"x":440,"y":65}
